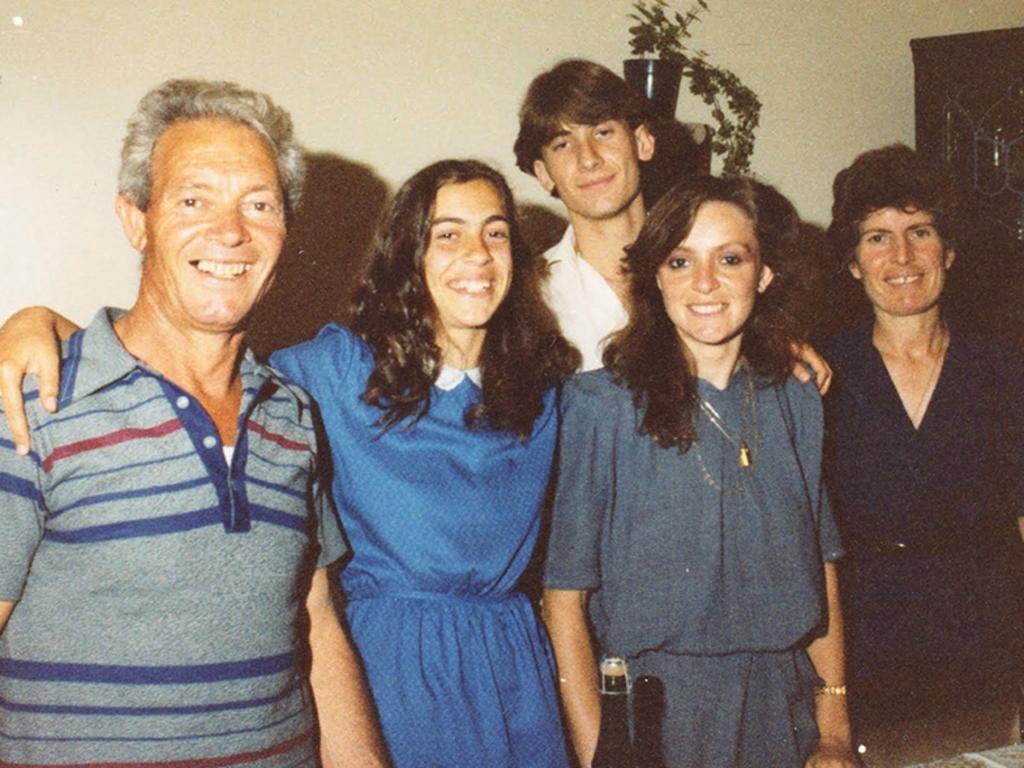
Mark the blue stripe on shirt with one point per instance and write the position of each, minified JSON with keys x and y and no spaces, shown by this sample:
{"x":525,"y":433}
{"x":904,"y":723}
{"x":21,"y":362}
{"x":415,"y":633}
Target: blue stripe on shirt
{"x":276,"y":517}
{"x":20,"y":669}
{"x":19,"y":486}
{"x":137,"y":493}
{"x":250,"y":480}
{"x":69,"y":368}
{"x":134,"y":529}
{"x":81,"y":709}
{"x":32,"y":455}
{"x":57,"y":420}
{"x":9,"y":736}
{"x":121,"y":468}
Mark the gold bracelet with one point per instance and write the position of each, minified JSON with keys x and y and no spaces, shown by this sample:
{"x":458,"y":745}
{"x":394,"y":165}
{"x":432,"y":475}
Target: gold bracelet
{"x":831,"y":690}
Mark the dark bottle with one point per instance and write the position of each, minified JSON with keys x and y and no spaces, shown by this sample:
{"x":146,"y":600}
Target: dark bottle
{"x":614,"y":748}
{"x":648,"y":710}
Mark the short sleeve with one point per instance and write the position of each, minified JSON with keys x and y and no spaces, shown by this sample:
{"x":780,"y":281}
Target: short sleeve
{"x":828,"y":532}
{"x":329,"y":535}
{"x":331,"y":541}
{"x":581,"y":491}
{"x":317,"y":365}
{"x":22,"y":512}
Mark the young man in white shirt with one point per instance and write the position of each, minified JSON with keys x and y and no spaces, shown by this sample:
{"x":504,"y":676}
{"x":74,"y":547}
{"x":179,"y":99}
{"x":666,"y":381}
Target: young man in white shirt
{"x":583,"y":134}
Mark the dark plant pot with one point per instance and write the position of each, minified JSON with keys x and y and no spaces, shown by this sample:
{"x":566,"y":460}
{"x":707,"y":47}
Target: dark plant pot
{"x":656,"y":79}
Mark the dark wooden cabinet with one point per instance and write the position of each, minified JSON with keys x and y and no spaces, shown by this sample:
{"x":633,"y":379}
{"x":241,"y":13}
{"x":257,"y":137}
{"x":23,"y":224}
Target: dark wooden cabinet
{"x":968,"y":95}
{"x":977,"y":68}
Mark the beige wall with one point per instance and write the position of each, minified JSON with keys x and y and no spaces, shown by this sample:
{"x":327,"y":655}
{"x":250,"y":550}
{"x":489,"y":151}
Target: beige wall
{"x":382,"y":88}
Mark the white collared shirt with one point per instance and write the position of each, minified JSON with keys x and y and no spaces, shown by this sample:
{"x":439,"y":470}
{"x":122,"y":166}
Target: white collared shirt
{"x":450,"y":377}
{"x":587,"y":308}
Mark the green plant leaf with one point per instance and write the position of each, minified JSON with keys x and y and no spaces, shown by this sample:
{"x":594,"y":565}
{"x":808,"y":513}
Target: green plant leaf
{"x":663,"y":31}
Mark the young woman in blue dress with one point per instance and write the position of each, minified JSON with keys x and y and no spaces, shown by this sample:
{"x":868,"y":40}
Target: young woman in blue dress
{"x":690,"y":532}
{"x":439,"y":406}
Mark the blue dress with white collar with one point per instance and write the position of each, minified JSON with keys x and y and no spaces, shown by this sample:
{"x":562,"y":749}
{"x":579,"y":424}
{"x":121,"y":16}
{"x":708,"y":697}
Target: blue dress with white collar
{"x":442,"y":521}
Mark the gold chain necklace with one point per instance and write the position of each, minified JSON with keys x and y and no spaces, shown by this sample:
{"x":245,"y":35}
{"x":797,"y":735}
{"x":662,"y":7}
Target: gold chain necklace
{"x":746,"y":455}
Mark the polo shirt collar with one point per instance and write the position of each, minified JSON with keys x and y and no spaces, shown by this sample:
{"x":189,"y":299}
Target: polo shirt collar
{"x":95,"y":358}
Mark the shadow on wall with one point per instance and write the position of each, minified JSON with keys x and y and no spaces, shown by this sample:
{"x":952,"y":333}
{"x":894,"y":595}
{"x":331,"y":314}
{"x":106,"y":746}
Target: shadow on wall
{"x":327,"y":247}
{"x":541,"y":227}
{"x":839,"y":300}
{"x":324,"y":254}
{"x":677,"y":155}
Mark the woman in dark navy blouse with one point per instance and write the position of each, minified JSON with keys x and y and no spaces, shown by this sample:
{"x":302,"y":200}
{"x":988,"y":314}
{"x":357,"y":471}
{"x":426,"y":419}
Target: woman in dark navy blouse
{"x":922,"y":470}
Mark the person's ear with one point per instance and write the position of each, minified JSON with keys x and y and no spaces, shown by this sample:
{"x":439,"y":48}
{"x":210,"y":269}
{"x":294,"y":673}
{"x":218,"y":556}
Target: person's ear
{"x":854,"y":268}
{"x":950,"y":257}
{"x":133,"y":222}
{"x":540,"y":170}
{"x":767,"y":275}
{"x":644,"y":142}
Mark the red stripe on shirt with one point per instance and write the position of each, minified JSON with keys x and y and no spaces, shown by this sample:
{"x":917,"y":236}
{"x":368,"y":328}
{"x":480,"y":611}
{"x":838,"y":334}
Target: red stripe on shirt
{"x":281,"y":440}
{"x":199,"y":762}
{"x":112,"y":438}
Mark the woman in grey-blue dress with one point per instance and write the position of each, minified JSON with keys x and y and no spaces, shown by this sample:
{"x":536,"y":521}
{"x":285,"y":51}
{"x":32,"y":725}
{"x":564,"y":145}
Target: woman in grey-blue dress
{"x":690,"y":531}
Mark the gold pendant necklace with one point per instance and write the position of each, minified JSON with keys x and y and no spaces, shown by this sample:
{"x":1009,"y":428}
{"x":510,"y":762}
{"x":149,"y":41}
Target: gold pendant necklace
{"x":745,"y":454}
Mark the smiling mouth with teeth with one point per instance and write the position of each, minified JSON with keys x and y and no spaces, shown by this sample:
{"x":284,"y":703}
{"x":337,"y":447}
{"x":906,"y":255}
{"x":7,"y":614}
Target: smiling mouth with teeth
{"x":706,"y":309}
{"x":472,"y":286}
{"x":903,"y":280}
{"x":221,"y":269}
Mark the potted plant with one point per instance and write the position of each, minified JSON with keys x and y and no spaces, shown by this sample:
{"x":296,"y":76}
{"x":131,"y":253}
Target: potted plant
{"x":663,"y":33}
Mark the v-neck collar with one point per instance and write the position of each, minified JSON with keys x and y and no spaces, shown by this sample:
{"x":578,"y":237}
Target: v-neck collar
{"x":890,"y":395}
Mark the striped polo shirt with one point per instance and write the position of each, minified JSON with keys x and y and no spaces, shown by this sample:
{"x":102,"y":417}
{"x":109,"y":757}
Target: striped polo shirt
{"x":160,"y":591}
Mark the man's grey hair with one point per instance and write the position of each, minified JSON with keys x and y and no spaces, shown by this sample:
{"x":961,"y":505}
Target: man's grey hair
{"x":177,"y":100}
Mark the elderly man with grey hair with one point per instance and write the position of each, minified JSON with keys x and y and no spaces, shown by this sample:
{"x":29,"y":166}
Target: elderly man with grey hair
{"x":163,"y":587}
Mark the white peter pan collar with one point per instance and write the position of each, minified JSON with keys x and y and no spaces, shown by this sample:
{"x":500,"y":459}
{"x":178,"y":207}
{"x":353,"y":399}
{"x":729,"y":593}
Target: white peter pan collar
{"x":450,"y":377}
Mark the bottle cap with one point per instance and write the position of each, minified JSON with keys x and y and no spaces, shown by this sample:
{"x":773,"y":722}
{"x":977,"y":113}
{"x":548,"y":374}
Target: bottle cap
{"x":614,"y":675}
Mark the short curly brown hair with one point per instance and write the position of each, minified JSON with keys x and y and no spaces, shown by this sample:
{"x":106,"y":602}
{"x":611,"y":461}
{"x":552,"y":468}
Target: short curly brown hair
{"x":890,"y":177}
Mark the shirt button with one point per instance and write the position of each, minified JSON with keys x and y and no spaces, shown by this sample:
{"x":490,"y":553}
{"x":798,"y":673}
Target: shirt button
{"x":181,"y":402}
{"x":210,"y":441}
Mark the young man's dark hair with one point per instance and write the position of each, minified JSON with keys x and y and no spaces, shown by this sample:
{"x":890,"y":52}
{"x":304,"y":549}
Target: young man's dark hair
{"x":890,"y":177}
{"x":573,"y":91}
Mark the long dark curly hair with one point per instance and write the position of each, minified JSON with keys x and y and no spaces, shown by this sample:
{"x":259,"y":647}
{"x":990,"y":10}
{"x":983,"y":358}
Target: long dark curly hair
{"x":524,"y":354}
{"x":648,"y":356}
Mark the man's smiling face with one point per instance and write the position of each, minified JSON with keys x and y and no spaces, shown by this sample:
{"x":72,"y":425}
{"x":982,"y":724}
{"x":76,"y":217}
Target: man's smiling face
{"x":213,"y":231}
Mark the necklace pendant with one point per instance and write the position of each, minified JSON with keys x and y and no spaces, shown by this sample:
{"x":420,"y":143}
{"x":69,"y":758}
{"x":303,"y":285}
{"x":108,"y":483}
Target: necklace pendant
{"x":746,"y":458}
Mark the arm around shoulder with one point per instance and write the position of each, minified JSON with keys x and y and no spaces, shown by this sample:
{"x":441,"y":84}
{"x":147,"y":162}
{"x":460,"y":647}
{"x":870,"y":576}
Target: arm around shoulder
{"x":30,"y":343}
{"x":811,"y":365}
